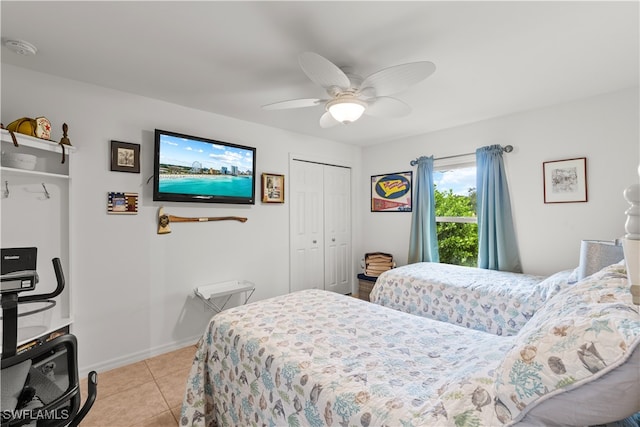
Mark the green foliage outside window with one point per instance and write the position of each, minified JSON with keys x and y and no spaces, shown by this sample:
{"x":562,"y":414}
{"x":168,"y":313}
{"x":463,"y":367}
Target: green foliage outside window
{"x":457,"y":241}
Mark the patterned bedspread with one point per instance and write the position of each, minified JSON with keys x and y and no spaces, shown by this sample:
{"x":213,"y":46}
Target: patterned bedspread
{"x":487,"y":300}
{"x":316,"y":358}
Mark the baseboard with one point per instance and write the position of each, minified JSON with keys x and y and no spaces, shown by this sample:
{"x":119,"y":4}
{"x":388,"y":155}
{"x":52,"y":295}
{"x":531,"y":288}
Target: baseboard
{"x":136,"y":357}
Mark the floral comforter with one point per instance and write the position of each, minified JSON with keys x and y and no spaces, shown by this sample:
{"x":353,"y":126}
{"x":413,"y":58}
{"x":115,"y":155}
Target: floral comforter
{"x":317,"y":358}
{"x":487,"y":300}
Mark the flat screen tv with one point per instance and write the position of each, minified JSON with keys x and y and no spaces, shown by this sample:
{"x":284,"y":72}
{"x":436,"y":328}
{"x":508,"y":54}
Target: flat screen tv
{"x":193,"y":169}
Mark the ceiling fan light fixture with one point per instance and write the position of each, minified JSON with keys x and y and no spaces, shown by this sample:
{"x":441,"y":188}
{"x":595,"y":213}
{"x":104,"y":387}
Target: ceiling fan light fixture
{"x":346,"y":110}
{"x":350,"y":95}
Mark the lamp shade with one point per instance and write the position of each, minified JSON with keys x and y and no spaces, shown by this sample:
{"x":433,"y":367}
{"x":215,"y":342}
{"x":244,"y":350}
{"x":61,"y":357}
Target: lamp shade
{"x":596,"y":255}
{"x":346,"y":110}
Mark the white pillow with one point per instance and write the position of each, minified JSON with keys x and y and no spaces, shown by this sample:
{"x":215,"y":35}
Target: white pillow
{"x":573,"y":277}
{"x":559,"y":278}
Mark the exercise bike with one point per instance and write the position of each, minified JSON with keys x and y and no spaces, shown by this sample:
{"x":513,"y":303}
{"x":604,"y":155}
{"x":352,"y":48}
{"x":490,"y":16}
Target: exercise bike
{"x":40,"y":385}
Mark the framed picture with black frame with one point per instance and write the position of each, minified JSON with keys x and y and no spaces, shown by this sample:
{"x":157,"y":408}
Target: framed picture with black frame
{"x":125,"y":157}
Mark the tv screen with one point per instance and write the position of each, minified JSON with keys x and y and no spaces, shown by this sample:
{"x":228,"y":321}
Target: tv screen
{"x":193,"y":169}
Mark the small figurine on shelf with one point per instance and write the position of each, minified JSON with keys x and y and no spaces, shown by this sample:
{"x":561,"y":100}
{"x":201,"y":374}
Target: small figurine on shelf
{"x":42,"y":128}
{"x":64,"y":139}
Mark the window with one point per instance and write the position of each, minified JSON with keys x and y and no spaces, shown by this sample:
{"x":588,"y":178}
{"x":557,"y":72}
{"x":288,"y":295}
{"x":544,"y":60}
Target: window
{"x":456,"y":221}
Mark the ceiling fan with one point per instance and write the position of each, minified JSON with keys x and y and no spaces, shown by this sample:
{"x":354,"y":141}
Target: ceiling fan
{"x":350,"y":95}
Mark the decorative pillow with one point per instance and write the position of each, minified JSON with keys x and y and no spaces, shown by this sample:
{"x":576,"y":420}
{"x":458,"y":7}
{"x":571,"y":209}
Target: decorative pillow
{"x":581,"y":334}
{"x":560,"y":278}
{"x":573,"y":277}
{"x":552,"y":285}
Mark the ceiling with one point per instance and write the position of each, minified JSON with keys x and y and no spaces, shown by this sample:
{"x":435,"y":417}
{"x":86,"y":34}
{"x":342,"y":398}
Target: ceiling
{"x":230,"y":58}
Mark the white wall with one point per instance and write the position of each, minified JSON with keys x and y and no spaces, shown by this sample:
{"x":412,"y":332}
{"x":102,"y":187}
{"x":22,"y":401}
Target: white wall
{"x":132,"y":288}
{"x":604,"y":129}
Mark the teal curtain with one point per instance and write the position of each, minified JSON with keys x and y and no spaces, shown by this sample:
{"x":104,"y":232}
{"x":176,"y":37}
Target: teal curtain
{"x":497,"y":247}
{"x":423,"y":241}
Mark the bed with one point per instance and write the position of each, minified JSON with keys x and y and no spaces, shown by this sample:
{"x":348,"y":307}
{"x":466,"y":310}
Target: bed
{"x":487,"y":300}
{"x":316,"y":358}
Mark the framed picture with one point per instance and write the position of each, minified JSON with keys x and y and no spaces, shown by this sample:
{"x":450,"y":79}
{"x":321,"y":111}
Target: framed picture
{"x":391,"y":192}
{"x":125,"y":157}
{"x":565,"y":181}
{"x":122,"y":203}
{"x":272,"y":188}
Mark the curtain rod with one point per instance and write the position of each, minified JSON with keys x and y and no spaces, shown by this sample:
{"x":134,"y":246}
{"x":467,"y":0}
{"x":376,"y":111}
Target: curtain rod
{"x":506,"y":149}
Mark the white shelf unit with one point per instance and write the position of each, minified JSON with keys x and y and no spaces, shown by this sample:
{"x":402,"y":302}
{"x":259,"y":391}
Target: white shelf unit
{"x":14,"y":171}
{"x":34,"y":211}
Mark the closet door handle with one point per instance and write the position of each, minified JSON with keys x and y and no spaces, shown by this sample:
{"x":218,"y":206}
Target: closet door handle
{"x":333,"y":240}
{"x":315,"y":241}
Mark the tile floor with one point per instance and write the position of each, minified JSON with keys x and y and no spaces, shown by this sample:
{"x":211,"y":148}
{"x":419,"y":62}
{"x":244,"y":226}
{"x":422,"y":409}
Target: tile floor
{"x":143,"y":394}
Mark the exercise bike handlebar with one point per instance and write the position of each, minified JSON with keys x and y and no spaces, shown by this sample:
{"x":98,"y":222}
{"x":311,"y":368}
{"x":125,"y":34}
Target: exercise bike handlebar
{"x":57,"y":267}
{"x":92,"y":393}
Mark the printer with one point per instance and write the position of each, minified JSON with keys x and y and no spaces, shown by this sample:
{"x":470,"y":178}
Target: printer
{"x":18,"y":270}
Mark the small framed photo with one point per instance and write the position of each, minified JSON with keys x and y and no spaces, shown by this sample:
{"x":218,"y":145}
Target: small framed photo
{"x":272,"y":188}
{"x":122,"y":203}
{"x":565,"y":181}
{"x":125,"y":157}
{"x":391,"y":192}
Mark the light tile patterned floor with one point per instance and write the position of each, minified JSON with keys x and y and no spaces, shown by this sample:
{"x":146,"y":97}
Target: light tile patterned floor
{"x":147,"y":393}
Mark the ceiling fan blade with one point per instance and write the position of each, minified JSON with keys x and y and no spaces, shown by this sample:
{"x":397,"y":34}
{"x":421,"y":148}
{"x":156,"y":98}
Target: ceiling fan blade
{"x":294,"y":103}
{"x":398,"y":78}
{"x":327,"y":120}
{"x":387,"y":107}
{"x":323,"y":72}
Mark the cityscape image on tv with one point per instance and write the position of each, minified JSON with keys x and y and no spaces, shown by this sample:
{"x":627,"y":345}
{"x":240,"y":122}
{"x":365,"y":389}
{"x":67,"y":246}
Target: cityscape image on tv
{"x":189,"y":166}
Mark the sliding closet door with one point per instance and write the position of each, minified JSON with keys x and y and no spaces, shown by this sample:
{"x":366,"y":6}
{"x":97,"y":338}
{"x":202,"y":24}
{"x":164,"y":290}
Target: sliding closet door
{"x":337,"y":229}
{"x":307,"y":227}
